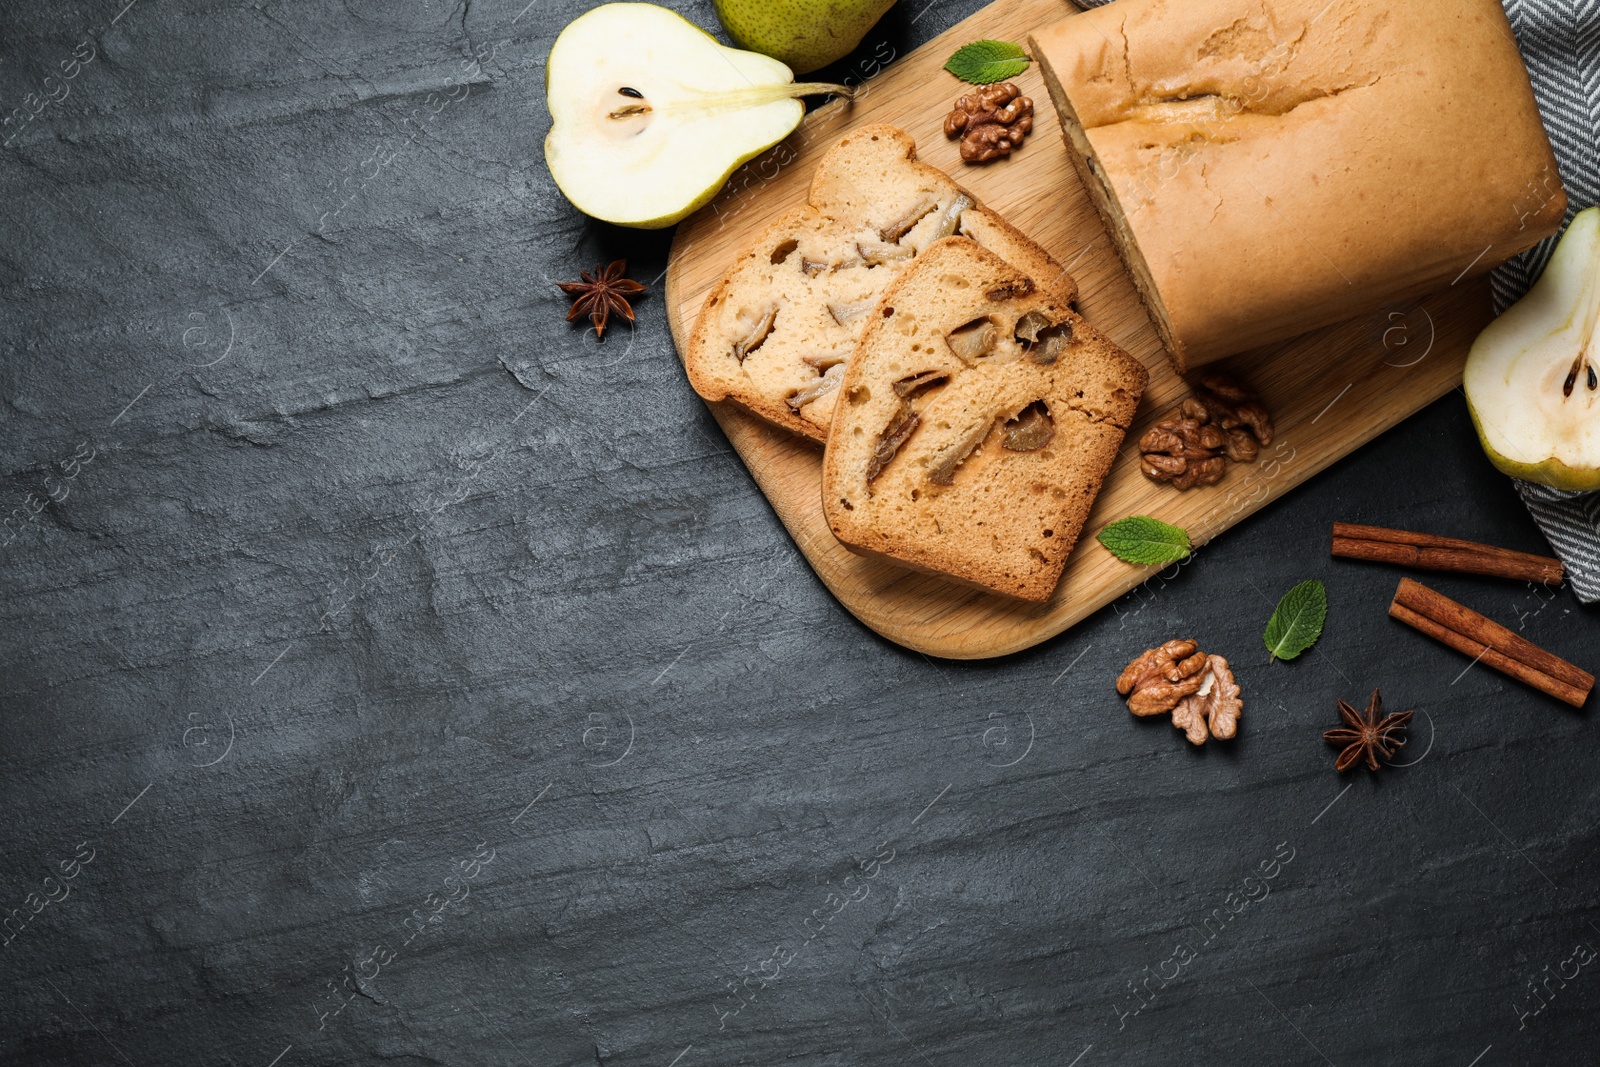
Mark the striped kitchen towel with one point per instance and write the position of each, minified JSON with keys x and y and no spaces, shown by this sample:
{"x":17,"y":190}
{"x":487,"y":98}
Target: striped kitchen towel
{"x":1560,"y":41}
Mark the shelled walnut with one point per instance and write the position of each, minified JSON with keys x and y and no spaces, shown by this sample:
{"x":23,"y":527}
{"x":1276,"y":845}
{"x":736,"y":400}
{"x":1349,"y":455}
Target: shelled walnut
{"x":1199,"y":689}
{"x":991,"y":122}
{"x":1223,"y":421}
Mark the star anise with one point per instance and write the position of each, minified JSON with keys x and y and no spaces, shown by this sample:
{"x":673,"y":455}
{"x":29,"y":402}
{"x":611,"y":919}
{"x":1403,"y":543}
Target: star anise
{"x":601,"y":294}
{"x":1367,"y":735}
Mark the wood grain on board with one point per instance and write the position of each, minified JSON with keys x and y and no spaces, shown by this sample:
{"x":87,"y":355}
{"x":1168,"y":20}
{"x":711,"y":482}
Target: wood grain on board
{"x":1329,"y":391}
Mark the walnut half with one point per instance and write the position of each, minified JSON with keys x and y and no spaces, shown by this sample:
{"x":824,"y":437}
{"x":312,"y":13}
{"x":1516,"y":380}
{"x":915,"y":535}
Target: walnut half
{"x":1223,"y":421}
{"x":1198,"y":689}
{"x":991,"y":122}
{"x":1185,"y":450}
{"x":1215,"y":705}
{"x":1160,"y":677}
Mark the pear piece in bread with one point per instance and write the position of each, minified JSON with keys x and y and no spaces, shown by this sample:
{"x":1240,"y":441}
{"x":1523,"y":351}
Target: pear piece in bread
{"x":774,"y":334}
{"x":975,"y":423}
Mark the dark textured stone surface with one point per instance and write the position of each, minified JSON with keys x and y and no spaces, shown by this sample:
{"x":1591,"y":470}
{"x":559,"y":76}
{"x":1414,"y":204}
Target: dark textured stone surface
{"x":378,"y":565}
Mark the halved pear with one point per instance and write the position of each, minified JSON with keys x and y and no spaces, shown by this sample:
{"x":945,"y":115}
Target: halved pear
{"x":1533,"y":376}
{"x":651,"y":114}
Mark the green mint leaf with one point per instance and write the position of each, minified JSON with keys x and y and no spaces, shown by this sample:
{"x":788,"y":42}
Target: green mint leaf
{"x":1141,"y":539}
{"x":986,"y":62}
{"x":1297,"y":622}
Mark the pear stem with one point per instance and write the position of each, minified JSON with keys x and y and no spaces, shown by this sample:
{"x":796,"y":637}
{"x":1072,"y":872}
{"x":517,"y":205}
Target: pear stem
{"x":757,"y":95}
{"x":822,"y":89}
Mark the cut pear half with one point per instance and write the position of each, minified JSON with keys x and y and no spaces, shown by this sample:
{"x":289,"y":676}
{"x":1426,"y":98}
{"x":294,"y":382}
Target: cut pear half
{"x":650,"y":114}
{"x":1533,"y":377}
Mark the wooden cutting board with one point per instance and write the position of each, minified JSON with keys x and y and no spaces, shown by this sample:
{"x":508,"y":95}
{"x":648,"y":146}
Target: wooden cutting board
{"x":1329,"y":392}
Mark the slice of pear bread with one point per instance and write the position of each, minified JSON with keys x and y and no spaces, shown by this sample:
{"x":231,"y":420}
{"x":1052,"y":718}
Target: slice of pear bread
{"x":975,"y":424}
{"x":775,"y":333}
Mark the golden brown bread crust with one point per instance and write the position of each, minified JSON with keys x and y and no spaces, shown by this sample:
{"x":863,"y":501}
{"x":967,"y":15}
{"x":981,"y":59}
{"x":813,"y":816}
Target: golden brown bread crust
{"x":856,"y":186}
{"x":952,"y":498}
{"x":1279,"y":165}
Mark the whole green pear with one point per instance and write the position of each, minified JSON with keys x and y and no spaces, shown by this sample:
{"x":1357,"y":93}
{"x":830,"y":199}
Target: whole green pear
{"x":803,"y":34}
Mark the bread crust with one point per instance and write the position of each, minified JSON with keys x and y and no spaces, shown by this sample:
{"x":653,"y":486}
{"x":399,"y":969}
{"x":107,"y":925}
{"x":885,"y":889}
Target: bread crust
{"x":1268,"y":167}
{"x":853,"y":189}
{"x":953,"y":500}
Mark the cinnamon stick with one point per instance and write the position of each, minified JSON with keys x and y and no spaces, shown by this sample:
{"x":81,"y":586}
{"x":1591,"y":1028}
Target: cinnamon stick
{"x":1434,"y":553}
{"x":1488,"y":642}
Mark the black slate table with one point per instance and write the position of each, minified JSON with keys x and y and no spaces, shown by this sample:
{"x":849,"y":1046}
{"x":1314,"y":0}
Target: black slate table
{"x":392,"y":673}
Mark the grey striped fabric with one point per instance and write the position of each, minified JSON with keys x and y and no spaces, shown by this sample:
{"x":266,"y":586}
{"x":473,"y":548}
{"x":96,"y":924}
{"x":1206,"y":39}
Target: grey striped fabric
{"x":1560,"y":41}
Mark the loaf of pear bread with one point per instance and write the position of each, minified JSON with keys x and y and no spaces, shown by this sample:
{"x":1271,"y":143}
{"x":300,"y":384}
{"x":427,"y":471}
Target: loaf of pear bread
{"x":1267,"y":167}
{"x":776,"y":332}
{"x":975,"y":423}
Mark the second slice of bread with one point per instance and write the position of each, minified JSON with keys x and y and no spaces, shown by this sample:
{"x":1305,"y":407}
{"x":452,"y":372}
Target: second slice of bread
{"x":975,"y":424}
